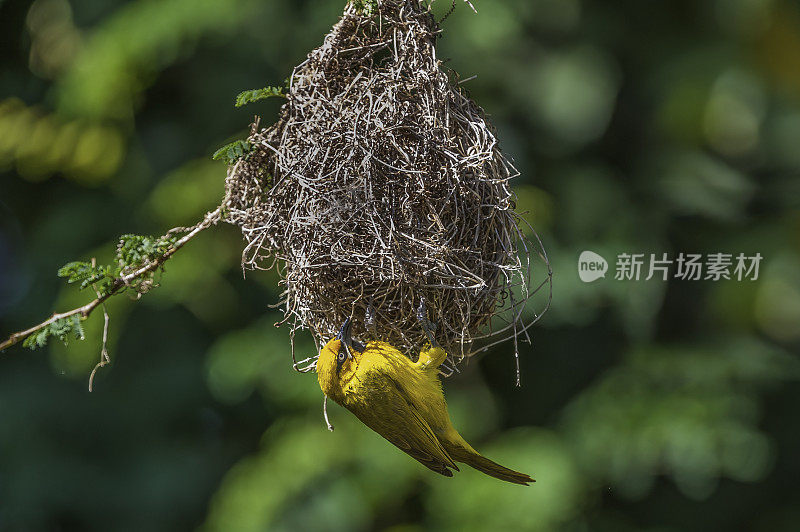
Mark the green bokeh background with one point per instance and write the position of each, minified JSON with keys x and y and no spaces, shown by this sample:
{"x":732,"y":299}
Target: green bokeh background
{"x":645,"y":127}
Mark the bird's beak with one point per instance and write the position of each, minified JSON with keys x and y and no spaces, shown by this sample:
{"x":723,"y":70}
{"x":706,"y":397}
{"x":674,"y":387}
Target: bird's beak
{"x":346,"y":338}
{"x":344,"y":333}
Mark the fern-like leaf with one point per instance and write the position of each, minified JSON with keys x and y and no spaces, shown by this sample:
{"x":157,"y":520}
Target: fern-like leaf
{"x":260,"y":94}
{"x":232,"y":152}
{"x":135,"y":251}
{"x":61,"y":329}
{"x":366,"y":7}
{"x":84,"y":274}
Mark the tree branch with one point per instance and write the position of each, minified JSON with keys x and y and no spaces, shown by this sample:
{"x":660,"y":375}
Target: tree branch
{"x":120,"y":283}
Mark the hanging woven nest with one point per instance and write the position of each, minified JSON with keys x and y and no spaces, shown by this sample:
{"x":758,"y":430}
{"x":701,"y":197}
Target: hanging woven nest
{"x":380,"y":187}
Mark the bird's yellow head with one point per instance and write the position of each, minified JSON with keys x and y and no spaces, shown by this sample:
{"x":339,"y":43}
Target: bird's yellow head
{"x":328,"y":368}
{"x":337,"y":362}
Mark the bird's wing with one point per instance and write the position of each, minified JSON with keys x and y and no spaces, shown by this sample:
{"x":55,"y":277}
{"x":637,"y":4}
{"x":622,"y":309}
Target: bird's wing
{"x":431,"y":358}
{"x":391,"y":413}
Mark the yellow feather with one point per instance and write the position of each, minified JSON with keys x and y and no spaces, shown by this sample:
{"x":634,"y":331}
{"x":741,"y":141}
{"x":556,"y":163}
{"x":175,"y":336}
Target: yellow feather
{"x":403,"y":401}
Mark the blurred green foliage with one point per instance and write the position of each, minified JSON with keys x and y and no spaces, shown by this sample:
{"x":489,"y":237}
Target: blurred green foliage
{"x":644,"y":127}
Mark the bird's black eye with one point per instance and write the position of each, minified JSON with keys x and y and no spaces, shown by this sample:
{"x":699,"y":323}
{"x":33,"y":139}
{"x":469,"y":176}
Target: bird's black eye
{"x":340,"y":358}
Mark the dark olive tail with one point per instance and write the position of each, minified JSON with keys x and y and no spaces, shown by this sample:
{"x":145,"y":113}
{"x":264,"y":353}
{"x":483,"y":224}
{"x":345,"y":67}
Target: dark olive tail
{"x":493,"y":469}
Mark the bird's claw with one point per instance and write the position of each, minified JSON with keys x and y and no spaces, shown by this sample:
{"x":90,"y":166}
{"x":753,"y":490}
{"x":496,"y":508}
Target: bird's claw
{"x":427,"y":325}
{"x":369,"y":320}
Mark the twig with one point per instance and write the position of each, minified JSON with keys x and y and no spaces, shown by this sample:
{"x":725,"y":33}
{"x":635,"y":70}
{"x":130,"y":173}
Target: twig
{"x":104,"y":358}
{"x":325,"y":413}
{"x":119,"y":283}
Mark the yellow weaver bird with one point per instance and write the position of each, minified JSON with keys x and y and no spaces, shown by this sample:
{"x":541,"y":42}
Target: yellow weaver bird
{"x":402,"y":401}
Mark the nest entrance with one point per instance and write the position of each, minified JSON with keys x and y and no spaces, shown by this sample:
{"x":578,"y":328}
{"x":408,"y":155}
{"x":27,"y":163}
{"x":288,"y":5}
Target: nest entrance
{"x":381,"y":186}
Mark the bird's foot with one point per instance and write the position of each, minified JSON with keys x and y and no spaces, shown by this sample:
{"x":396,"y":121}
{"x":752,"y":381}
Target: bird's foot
{"x":433,"y":355}
{"x":428,"y":326}
{"x":370,"y":318}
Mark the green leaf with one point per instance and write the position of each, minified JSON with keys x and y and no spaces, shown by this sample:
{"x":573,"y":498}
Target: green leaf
{"x":233,"y":152}
{"x":135,"y":251}
{"x":366,"y":7}
{"x":62,"y":329}
{"x":259,"y":94}
{"x":86,"y":275}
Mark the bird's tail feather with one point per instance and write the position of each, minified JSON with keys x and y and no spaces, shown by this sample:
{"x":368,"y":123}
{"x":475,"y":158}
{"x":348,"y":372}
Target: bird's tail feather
{"x":493,"y":469}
